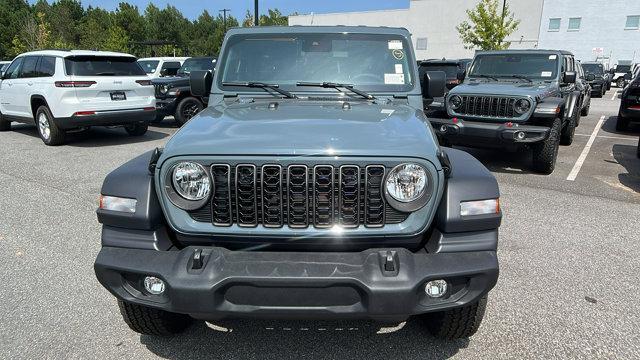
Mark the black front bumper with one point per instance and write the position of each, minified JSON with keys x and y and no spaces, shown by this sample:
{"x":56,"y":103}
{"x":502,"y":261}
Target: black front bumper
{"x":166,"y":106}
{"x":107,"y":118}
{"x":465,"y":132}
{"x":297,"y":285}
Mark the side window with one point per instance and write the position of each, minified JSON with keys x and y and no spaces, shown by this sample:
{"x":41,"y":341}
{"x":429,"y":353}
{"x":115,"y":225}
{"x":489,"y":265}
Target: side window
{"x":46,"y":66}
{"x":14,"y":69}
{"x":29,"y":67}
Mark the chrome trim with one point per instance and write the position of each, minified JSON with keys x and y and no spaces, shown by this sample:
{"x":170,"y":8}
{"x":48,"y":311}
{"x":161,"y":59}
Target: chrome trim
{"x":366,"y":196}
{"x":280,"y":185}
{"x":357,"y":222}
{"x":255,"y":192}
{"x":331,"y":222}
{"x":306,"y":181}
{"x":229,"y":192}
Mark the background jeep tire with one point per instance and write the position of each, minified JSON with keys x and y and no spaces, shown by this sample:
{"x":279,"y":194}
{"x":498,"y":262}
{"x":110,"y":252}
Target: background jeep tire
{"x":49,"y":132}
{"x":457,"y":323}
{"x":622,"y":124}
{"x":585,"y":111}
{"x":158,"y":119}
{"x":150,"y":321}
{"x":137,"y":129}
{"x":620,"y":82}
{"x":5,"y":125}
{"x":187,"y":108}
{"x":546,"y":152}
{"x":568,"y":132}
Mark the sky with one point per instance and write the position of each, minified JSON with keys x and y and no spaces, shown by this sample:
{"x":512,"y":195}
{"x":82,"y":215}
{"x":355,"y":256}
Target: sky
{"x":192,"y":8}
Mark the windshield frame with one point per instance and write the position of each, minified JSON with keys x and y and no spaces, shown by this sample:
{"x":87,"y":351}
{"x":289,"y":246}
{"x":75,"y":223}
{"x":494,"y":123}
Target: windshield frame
{"x":554,"y":76}
{"x":409,"y":57}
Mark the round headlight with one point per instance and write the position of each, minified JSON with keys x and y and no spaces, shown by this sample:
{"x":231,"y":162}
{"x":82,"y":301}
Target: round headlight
{"x":163,"y":89}
{"x":455,"y":102}
{"x":407,"y":182}
{"x":522,"y":106}
{"x":191,"y":181}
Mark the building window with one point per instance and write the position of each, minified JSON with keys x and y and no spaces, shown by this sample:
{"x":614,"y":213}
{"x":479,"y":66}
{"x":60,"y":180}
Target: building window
{"x":633,"y":22}
{"x":554,"y":24}
{"x":574,"y":24}
{"x":421,"y":43}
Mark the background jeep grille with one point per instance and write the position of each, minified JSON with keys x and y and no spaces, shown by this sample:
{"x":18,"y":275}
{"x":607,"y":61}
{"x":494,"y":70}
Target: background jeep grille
{"x":490,"y":106}
{"x":298,"y":196}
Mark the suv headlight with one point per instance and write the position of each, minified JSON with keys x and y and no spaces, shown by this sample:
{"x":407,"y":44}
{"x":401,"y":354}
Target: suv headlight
{"x":191,"y":181}
{"x":408,"y":187}
{"x":163,"y":89}
{"x":521,"y":106}
{"x":455,"y":102}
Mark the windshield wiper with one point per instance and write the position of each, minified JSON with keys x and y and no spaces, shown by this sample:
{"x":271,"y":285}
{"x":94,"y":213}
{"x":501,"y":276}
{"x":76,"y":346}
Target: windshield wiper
{"x":253,"y":84}
{"x":485,"y":76}
{"x":521,"y":77}
{"x":337,"y":86}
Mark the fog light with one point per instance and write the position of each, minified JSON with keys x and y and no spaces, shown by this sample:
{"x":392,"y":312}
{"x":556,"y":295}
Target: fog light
{"x":436,"y":288}
{"x":443,"y":128}
{"x":153,"y":285}
{"x":520,"y":135}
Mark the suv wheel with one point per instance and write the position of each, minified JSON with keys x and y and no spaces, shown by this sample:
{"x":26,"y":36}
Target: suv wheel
{"x":568,"y":132}
{"x":622,"y":124}
{"x":5,"y":125}
{"x":150,"y":321}
{"x":187,"y":108}
{"x":585,"y":111}
{"x":620,"y":82}
{"x":457,"y":323}
{"x":49,"y":132}
{"x":638,"y":151}
{"x":546,"y":152}
{"x":137,"y":129}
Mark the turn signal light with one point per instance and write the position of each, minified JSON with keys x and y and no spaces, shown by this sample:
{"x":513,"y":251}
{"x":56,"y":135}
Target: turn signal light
{"x":480,"y":207}
{"x":115,"y":203}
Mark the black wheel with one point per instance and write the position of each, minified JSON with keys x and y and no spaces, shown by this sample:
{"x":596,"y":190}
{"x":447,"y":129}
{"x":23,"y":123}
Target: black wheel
{"x":620,"y":82}
{"x":458,"y":323}
{"x":568,"y":132}
{"x":5,"y":125}
{"x":186,"y":109}
{"x":158,"y":119}
{"x":608,"y":86}
{"x":49,"y":132}
{"x":638,"y":151}
{"x":150,"y":321}
{"x":601,"y":94}
{"x":622,"y":124}
{"x":546,"y":152}
{"x":137,"y":129}
{"x":585,"y":111}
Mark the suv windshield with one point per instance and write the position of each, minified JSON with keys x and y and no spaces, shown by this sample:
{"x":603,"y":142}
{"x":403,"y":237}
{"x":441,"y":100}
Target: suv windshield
{"x":623,"y":68}
{"x":369,"y":62}
{"x":196,"y":64}
{"x":149,"y":66}
{"x":595,"y":69}
{"x":532,"y":66}
{"x":102,"y":66}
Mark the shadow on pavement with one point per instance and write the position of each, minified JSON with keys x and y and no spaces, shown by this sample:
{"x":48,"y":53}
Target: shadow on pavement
{"x":609,"y":126}
{"x":501,"y":160}
{"x":626,"y":156}
{"x":261,"y":339}
{"x":95,"y":137}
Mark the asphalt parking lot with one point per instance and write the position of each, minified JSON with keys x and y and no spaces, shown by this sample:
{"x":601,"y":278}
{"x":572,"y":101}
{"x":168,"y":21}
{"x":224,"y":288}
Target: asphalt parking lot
{"x":569,"y":253}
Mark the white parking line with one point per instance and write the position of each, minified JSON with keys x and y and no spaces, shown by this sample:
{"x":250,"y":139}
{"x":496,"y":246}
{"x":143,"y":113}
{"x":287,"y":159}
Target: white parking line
{"x":615,"y":94}
{"x":611,"y":137}
{"x":583,"y":156}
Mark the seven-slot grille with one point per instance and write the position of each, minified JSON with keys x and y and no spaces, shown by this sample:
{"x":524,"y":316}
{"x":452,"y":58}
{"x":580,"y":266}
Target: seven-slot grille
{"x":487,"y":106}
{"x":298,"y":196}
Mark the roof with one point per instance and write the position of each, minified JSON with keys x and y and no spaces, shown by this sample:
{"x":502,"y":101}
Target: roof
{"x":299,"y":29}
{"x":165,"y":58}
{"x":66,"y":53}
{"x":527,"y":51}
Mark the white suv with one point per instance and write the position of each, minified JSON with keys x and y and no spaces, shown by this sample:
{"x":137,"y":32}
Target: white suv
{"x":157,"y":67}
{"x":61,"y":91}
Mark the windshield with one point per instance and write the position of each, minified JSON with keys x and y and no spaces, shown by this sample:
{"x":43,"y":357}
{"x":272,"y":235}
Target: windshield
{"x":595,"y":69}
{"x":623,"y":68}
{"x":102,"y":66}
{"x":149,"y":66}
{"x":451,"y":70}
{"x":533,"y":66}
{"x":370,"y":62}
{"x":195,"y":64}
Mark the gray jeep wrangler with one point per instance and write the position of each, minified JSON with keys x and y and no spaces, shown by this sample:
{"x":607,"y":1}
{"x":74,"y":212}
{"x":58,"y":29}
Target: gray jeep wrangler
{"x":516,"y":99}
{"x":312,"y":186}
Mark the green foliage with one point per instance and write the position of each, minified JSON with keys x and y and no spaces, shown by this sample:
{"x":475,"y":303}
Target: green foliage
{"x":489,"y":24}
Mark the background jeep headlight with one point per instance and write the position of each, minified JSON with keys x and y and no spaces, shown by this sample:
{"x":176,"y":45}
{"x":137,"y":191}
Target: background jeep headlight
{"x":407,"y":182}
{"x":163,"y":89}
{"x":522,"y":106}
{"x":191,"y":181}
{"x":455,"y":102}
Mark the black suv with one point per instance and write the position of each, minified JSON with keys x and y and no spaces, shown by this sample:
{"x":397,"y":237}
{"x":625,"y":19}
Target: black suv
{"x":173,"y":94}
{"x":454,"y":71}
{"x":601,"y":82}
{"x":629,"y":105}
{"x":516,"y":99}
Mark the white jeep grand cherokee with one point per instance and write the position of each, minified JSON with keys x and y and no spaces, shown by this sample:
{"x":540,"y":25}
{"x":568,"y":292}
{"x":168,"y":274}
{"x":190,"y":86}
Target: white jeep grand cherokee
{"x":61,"y":91}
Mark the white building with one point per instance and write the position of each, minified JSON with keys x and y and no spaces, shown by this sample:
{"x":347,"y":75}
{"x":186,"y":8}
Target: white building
{"x":433,"y":24}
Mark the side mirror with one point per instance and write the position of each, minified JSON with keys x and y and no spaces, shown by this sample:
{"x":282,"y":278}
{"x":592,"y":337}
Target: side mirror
{"x":461,"y":75}
{"x":434,"y":84}
{"x":591,"y":77}
{"x":200,"y":82}
{"x":569,"y":77}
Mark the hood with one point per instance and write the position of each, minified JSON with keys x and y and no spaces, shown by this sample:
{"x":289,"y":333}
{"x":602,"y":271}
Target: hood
{"x":306,"y":128}
{"x":171,"y":80}
{"x":534,"y":89}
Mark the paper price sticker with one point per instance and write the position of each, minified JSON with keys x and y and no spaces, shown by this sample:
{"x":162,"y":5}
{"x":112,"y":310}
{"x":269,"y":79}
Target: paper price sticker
{"x":395,"y":45}
{"x":394,"y":79}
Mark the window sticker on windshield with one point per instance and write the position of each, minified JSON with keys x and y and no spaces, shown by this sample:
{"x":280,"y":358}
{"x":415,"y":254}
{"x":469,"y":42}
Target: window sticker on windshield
{"x":395,"y":45}
{"x":546,"y":74}
{"x":398,"y":54}
{"x":394,"y":79}
{"x":399,"y":69}
{"x":553,"y":57}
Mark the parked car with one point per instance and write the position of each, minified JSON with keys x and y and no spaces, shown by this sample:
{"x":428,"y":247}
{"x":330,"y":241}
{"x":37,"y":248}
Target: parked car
{"x":516,"y":99}
{"x":303,"y":191}
{"x":629,"y":105}
{"x":3,"y":66}
{"x":156,"y":67}
{"x":454,"y":70}
{"x":621,"y":75}
{"x":601,"y":82}
{"x":583,"y":82}
{"x":173,"y":94}
{"x":63,"y":91}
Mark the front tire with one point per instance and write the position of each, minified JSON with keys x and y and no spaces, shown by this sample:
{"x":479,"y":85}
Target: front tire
{"x":5,"y":125}
{"x":49,"y":132}
{"x":620,"y":83}
{"x":568,"y":132}
{"x":457,"y":323}
{"x":187,"y":108}
{"x":585,"y":111}
{"x":137,"y":129}
{"x":150,"y":321}
{"x":546,"y":152}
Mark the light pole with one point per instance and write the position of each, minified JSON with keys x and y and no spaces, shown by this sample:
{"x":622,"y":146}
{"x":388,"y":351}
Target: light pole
{"x":224,"y":18}
{"x":256,"y":19}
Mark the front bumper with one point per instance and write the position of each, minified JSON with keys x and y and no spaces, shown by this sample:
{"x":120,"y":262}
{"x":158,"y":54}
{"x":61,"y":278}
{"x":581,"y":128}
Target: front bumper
{"x":297,"y":285}
{"x":464,"y":132}
{"x":107,"y":118}
{"x":166,"y":106}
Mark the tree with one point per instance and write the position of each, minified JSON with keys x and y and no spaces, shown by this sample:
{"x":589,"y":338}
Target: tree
{"x":275,"y":18}
{"x":13,"y":16}
{"x":35,"y":35}
{"x":117,"y":39}
{"x":488,"y":26}
{"x":248,"y":19}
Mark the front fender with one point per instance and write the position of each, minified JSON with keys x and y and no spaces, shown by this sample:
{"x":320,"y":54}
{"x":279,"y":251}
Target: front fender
{"x":549,"y":108}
